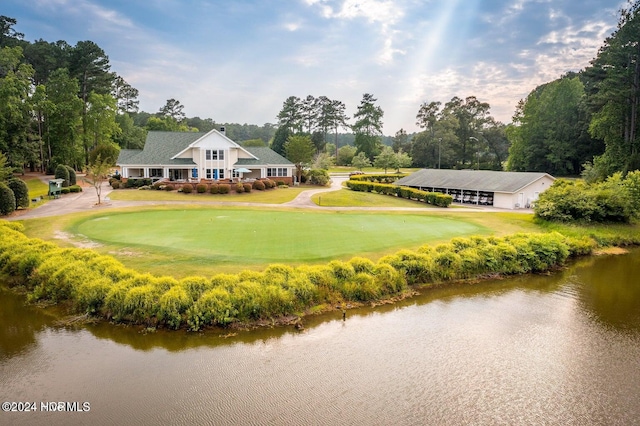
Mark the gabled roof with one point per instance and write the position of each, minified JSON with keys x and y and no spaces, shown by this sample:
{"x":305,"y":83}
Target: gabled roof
{"x":476,"y":180}
{"x":159,"y":148}
{"x":264,"y":156}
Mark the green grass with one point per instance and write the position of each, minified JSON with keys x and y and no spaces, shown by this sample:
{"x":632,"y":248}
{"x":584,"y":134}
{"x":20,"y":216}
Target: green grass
{"x":272,"y":196}
{"x":37,"y":188}
{"x":182,"y":242}
{"x":349,"y":198}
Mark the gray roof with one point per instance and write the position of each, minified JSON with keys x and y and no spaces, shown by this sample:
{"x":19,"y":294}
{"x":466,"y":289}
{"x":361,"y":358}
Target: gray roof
{"x":265,"y":156}
{"x":476,"y":180}
{"x":161,"y":146}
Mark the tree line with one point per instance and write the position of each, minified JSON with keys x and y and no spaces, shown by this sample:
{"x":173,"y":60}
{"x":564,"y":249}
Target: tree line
{"x":585,"y":122}
{"x":458,"y":134}
{"x":62,"y":104}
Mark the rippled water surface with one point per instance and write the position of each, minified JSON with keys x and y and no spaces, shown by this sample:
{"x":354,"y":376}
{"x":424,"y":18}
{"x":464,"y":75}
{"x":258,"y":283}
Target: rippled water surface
{"x":562,"y":349}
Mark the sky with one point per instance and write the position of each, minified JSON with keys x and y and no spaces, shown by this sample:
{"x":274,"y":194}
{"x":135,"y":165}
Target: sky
{"x":237,"y":61}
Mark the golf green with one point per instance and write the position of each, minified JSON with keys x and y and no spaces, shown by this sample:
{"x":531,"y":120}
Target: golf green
{"x":256,"y":236}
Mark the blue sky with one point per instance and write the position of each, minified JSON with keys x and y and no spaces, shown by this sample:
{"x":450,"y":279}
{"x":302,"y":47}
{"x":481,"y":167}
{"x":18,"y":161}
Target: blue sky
{"x":238,"y":60}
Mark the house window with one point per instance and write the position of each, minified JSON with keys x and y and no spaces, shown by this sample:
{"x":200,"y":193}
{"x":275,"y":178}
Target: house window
{"x":214,"y":154}
{"x":156,"y":173}
{"x":220,"y":173}
{"x":235,"y":174}
{"x":277,"y":172}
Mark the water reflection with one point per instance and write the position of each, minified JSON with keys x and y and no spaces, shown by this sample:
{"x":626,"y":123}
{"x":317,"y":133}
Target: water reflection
{"x":18,"y":324}
{"x":562,"y":349}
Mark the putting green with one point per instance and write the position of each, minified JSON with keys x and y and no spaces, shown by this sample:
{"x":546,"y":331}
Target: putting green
{"x":263,"y":236}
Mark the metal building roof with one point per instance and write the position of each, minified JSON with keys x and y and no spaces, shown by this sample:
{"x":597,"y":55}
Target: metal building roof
{"x":475,"y":180}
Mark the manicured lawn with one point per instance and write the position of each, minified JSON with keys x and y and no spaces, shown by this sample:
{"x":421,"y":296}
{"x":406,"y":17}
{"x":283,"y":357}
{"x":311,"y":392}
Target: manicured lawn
{"x":349,"y":198}
{"x":37,"y":188}
{"x":272,"y":196}
{"x":205,"y":241}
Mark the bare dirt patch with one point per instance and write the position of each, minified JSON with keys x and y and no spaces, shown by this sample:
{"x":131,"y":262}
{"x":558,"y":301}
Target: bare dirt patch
{"x":77,"y":240}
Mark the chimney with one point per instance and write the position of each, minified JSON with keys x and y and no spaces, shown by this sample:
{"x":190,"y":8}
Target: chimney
{"x":223,"y":130}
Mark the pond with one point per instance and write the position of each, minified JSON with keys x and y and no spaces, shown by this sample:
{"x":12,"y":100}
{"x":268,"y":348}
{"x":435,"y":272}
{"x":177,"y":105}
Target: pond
{"x":557,"y":349}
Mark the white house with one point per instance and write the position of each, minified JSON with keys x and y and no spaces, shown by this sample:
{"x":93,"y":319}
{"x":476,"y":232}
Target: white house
{"x":507,"y":190}
{"x":191,"y":156}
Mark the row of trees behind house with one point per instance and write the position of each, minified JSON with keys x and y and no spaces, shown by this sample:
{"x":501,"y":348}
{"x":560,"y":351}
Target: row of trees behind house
{"x":61,"y":104}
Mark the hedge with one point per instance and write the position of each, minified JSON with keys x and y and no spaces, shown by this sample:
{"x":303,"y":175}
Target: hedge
{"x":379,"y":178}
{"x":100,"y":285}
{"x":433,"y":198}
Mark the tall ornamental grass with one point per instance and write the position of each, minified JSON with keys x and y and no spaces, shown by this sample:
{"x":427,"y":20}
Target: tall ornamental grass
{"x":99,"y":285}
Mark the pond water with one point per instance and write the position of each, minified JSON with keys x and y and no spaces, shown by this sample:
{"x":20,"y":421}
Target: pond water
{"x":556,"y":349}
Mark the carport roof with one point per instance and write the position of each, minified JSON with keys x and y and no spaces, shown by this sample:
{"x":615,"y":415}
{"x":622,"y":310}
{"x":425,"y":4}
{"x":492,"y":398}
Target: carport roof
{"x":475,"y":180}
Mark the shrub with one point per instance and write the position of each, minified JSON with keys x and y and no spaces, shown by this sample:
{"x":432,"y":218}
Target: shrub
{"x":201,"y":188}
{"x":195,"y":286}
{"x":20,"y":192}
{"x":115,"y":184}
{"x":75,"y":188}
{"x":281,"y":183}
{"x":187,"y":188}
{"x":224,"y":188}
{"x":72,"y":175}
{"x":65,"y":190}
{"x":247,"y":187}
{"x":214,"y":307}
{"x":62,"y":172}
{"x":172,"y":304}
{"x":258,"y":185}
{"x":318,"y":177}
{"x":214,"y":188}
{"x":169,"y":187}
{"x":239,"y":188}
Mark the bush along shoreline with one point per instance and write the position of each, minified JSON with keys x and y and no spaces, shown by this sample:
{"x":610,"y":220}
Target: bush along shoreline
{"x":99,"y":285}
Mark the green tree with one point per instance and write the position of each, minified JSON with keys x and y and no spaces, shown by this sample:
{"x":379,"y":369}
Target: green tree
{"x":101,"y":120}
{"x":173,"y":109}
{"x":16,"y":136}
{"x":280,"y":139}
{"x":8,"y":36}
{"x":401,"y":141}
{"x":63,"y":119}
{"x":402,"y":160}
{"x":96,"y":174}
{"x":125,"y":95}
{"x":550,"y":130}
{"x":471,"y":115}
{"x":614,"y":97}
{"x":360,"y":161}
{"x":89,"y":65}
{"x":368,"y":126}
{"x":345,"y":155}
{"x":299,"y":150}
{"x":291,"y":116}
{"x":130,"y":136}
{"x":386,"y":159}
{"x":254,"y":142}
